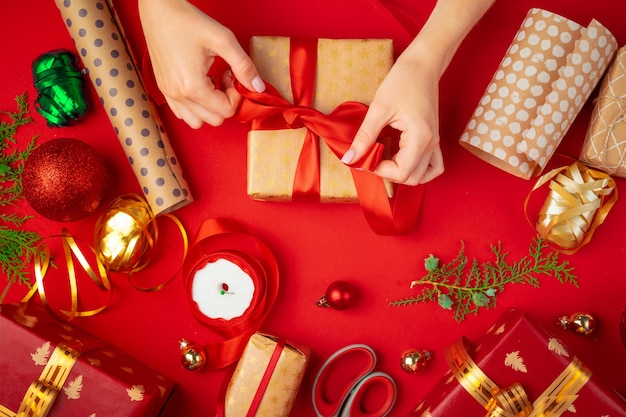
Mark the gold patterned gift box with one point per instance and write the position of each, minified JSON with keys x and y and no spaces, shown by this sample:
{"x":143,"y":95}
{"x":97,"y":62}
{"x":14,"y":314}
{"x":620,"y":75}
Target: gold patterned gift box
{"x":268,"y":377}
{"x":59,"y":370}
{"x":347,"y":70}
{"x":518,"y":368}
{"x":605,"y":143}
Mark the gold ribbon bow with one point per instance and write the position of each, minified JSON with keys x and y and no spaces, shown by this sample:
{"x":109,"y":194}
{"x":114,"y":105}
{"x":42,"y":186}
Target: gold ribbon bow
{"x":513,"y":401}
{"x":42,"y":393}
{"x":579,"y":200}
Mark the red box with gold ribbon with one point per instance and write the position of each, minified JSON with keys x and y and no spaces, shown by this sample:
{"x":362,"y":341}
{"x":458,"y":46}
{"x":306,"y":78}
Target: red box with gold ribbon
{"x":518,"y":369}
{"x":50,"y":368}
{"x":317,"y":96}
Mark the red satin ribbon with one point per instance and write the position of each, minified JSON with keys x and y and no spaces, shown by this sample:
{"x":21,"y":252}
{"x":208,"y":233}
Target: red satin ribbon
{"x":227,"y":239}
{"x":267,"y":376}
{"x":270,"y":111}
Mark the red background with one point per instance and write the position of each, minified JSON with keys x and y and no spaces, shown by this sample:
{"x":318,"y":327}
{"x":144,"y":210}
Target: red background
{"x":316,"y":244}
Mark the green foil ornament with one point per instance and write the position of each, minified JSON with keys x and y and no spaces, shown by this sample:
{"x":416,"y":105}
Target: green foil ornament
{"x":60,"y":88}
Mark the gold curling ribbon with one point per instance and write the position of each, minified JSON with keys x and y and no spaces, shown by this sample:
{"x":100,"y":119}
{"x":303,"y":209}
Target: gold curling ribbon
{"x":42,"y":393}
{"x":42,"y":259}
{"x":126,"y":236}
{"x":513,"y":401}
{"x":579,"y":200}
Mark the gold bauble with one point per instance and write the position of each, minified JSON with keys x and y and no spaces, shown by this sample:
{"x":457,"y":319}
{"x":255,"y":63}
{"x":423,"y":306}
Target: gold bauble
{"x":415,"y":361}
{"x":192,"y":357}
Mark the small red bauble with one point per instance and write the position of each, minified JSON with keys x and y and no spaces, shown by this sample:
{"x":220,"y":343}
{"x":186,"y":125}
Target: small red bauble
{"x":339,"y":295}
{"x":65,"y":179}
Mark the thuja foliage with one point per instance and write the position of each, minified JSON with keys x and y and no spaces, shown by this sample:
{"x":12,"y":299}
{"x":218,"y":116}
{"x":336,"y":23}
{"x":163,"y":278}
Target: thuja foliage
{"x":464,"y":288}
{"x":17,"y":245}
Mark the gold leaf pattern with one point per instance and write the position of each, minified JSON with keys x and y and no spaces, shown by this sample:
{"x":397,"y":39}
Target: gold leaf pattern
{"x":515,"y":362}
{"x":41,"y":355}
{"x":72,"y":390}
{"x":136,"y":392}
{"x":501,"y":329}
{"x":555,"y":345}
{"x":571,"y":409}
{"x":94,"y":361}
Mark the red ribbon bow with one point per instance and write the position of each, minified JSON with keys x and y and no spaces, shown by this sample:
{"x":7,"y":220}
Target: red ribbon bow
{"x":268,"y":110}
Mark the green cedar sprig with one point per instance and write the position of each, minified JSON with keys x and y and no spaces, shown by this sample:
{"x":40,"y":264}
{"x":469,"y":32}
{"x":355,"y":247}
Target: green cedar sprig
{"x":17,"y":246}
{"x":466,"y":288}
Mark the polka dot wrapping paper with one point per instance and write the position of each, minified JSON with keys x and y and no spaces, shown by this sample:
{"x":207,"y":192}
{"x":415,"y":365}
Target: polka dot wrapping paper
{"x":546,"y":76}
{"x":102,"y":49}
{"x":605,"y":142}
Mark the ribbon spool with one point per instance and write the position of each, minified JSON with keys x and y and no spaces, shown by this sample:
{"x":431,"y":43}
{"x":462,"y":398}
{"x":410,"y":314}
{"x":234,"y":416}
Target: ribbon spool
{"x":126,"y":236}
{"x":60,"y":88}
{"x":223,"y":239}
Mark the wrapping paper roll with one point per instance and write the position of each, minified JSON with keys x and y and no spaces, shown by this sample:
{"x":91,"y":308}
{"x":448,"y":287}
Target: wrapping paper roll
{"x":605,"y":142}
{"x":105,"y":55}
{"x":544,"y":79}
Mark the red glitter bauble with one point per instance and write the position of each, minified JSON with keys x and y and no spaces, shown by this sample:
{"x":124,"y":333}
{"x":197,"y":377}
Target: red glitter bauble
{"x":65,"y":179}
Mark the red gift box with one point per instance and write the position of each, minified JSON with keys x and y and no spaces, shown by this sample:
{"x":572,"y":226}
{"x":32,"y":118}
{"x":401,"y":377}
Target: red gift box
{"x":51,"y":366}
{"x":518,"y":369}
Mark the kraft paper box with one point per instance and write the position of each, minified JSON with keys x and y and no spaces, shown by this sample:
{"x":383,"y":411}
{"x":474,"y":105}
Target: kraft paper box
{"x":347,"y":70}
{"x":549,"y":71}
{"x":516,"y":351}
{"x":605,"y":143}
{"x":36,"y":350}
{"x":279,"y":394}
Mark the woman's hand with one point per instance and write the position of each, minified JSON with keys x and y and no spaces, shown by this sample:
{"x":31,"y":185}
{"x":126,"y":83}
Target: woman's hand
{"x":183,"y":43}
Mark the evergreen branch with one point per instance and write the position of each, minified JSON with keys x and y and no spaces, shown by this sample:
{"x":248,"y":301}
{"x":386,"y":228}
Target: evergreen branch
{"x":17,"y":246}
{"x":465,"y":290}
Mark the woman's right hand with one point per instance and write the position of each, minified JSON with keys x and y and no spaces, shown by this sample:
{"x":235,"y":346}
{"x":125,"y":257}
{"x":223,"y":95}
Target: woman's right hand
{"x":183,"y":43}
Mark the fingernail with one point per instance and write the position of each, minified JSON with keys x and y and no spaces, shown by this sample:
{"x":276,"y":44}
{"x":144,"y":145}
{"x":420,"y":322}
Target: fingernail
{"x":258,"y":84}
{"x":228,"y":73}
{"x":348,"y":156}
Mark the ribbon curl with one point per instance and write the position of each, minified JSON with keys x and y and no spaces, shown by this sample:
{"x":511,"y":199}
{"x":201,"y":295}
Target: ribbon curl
{"x":513,"y":401}
{"x":126,"y":236}
{"x":98,"y":275}
{"x":578,"y":202}
{"x":60,"y":86}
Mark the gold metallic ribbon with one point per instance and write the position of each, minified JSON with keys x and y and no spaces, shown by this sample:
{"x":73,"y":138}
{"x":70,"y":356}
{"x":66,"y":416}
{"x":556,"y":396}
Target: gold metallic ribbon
{"x":126,"y":237}
{"x":42,"y":393}
{"x":42,"y":260}
{"x":578,"y":202}
{"x":513,"y":401}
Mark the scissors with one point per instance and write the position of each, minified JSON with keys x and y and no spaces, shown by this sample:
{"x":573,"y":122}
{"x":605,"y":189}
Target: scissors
{"x":347,"y":385}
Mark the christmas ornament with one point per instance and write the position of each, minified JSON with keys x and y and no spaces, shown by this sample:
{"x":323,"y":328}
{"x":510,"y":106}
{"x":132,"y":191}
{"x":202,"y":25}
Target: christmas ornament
{"x":580,"y":323}
{"x":192,"y":357}
{"x":339,"y":295}
{"x":415,"y":361}
{"x":60,"y":87}
{"x":65,"y":179}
